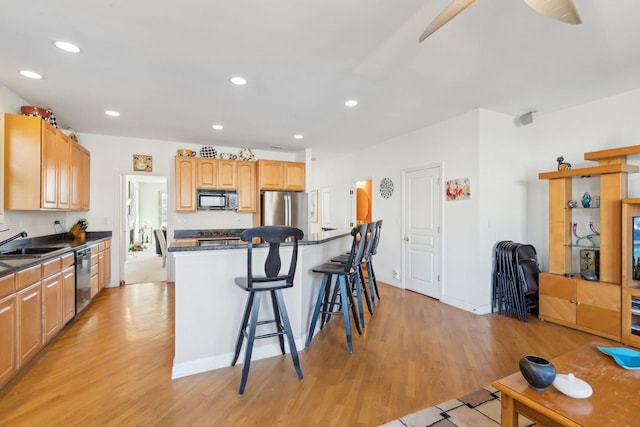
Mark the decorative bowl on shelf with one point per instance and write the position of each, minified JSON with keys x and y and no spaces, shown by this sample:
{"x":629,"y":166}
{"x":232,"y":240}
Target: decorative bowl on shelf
{"x":29,"y":110}
{"x":208,"y":152}
{"x":186,"y":153}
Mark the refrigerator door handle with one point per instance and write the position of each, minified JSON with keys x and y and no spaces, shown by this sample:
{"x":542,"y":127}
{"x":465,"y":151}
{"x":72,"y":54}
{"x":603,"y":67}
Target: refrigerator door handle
{"x":287,"y":210}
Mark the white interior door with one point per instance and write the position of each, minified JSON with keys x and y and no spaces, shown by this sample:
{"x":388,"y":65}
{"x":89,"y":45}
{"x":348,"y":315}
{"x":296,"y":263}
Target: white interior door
{"x":421,"y":225}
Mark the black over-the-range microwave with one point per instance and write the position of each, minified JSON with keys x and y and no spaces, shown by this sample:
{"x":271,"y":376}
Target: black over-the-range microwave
{"x":217,"y":200}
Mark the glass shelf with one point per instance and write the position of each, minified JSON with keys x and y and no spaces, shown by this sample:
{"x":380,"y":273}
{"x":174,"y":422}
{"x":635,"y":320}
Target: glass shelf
{"x":571,"y":245}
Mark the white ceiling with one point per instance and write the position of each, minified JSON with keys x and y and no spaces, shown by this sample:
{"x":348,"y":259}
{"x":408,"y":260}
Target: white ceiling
{"x":165,"y":65}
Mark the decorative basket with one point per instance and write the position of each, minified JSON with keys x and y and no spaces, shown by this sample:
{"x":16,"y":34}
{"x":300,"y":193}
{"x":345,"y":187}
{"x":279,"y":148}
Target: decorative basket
{"x":208,"y":152}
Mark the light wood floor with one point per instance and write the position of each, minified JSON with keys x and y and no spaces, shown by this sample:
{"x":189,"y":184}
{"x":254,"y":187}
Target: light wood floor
{"x":112,"y":366}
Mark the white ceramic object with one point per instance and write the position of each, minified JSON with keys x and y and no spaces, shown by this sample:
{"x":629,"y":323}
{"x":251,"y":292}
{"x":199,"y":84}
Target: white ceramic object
{"x":572,"y":386}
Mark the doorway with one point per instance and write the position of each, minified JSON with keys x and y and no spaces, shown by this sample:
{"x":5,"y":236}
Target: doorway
{"x":145,"y":211}
{"x":421,"y":225}
{"x":363,"y":202}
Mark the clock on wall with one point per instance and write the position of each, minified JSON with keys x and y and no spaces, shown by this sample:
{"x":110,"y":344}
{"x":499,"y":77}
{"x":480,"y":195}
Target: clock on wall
{"x":141,"y":163}
{"x":386,"y":187}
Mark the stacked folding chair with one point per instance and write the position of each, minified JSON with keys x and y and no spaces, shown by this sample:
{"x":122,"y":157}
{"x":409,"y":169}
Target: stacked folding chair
{"x":515,"y":279}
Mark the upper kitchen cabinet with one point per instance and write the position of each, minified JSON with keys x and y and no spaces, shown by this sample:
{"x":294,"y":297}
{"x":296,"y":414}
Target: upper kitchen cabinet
{"x":185,"y":176}
{"x":279,"y":175}
{"x":33,"y":145}
{"x":247,"y":193}
{"x":216,"y":174}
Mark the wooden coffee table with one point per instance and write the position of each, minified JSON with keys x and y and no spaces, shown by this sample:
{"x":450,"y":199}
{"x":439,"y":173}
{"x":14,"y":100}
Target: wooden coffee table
{"x":612,"y":403}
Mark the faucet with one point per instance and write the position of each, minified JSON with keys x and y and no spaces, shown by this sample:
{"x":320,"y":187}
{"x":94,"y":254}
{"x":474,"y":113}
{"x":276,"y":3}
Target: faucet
{"x":10,"y":239}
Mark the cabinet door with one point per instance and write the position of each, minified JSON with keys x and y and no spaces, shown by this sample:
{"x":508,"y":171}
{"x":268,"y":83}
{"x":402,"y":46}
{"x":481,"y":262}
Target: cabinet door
{"x":68,"y":293}
{"x":8,"y":338}
{"x":271,"y":175}
{"x":29,"y":322}
{"x":185,"y":176}
{"x":78,"y":178}
{"x":557,"y":298}
{"x":227,"y":171}
{"x":207,"y":173}
{"x":599,"y":307}
{"x":51,"y":306}
{"x":107,"y":262}
{"x":86,"y":179}
{"x":63,"y":145}
{"x":294,"y":176}
{"x":22,"y":161}
{"x":247,"y":194}
{"x":101,"y":270}
{"x":50,"y":167}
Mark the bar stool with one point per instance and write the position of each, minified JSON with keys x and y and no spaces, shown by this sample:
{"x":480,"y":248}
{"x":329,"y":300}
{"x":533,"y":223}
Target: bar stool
{"x":347,"y":273}
{"x":273,"y":282}
{"x":369,"y":261}
{"x":343,"y":258}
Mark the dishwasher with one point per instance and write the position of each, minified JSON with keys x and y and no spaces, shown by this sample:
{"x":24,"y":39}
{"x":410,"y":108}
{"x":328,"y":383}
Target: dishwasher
{"x":83,"y":278}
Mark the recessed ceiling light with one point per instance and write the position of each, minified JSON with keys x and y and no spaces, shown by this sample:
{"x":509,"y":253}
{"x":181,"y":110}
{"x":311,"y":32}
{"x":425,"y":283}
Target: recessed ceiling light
{"x":31,"y":74}
{"x":112,"y":113}
{"x":351,"y":103}
{"x":298,"y":136}
{"x":238,"y":81}
{"x":217,"y":127}
{"x":67,"y":47}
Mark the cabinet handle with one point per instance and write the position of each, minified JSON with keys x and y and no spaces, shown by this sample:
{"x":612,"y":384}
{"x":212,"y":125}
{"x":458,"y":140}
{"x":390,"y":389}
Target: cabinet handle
{"x":4,"y":310}
{"x":578,"y":302}
{"x":572,"y":301}
{"x":30,"y":296}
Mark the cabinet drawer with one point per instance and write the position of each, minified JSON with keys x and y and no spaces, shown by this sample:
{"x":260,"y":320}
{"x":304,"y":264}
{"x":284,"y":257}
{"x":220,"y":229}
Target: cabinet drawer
{"x":107,"y":243}
{"x":100,"y":246}
{"x":557,"y":286}
{"x":7,"y":284}
{"x":94,"y":258}
{"x":51,"y":267}
{"x":94,"y":250}
{"x":67,"y":260}
{"x":28,"y":276}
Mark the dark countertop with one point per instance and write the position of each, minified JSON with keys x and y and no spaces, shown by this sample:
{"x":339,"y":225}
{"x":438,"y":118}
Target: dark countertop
{"x":64,"y":242}
{"x":311,"y":239}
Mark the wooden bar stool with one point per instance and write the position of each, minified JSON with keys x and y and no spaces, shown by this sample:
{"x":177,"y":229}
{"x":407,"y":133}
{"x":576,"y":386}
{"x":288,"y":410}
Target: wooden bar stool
{"x":271,"y":281}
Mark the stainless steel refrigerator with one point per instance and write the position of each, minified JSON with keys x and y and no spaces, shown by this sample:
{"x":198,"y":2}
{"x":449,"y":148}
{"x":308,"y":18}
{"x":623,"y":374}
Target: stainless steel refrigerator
{"x":284,"y":208}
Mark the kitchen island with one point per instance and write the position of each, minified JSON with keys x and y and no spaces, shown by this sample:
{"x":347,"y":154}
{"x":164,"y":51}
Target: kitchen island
{"x":209,"y":306}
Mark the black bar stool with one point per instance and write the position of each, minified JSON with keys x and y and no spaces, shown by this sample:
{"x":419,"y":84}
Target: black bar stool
{"x":273,"y":282}
{"x":347,"y":274}
{"x":369,"y":260}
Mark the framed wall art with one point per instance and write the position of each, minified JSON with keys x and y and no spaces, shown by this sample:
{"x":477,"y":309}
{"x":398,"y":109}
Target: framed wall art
{"x":142,"y":163}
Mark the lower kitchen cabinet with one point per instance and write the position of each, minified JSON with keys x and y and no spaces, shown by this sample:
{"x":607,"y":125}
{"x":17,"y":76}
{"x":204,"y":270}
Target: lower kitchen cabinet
{"x":8,"y":338}
{"x":51,"y":306}
{"x":29,"y":322}
{"x":593,"y":307}
{"x":94,"y":282}
{"x":68,"y":288}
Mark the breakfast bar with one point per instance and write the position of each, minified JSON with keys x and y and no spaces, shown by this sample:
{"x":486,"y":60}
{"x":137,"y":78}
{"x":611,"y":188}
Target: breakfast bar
{"x":209,"y":307}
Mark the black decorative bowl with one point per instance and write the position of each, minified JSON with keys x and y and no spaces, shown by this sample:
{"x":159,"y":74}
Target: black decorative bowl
{"x":538,"y":372}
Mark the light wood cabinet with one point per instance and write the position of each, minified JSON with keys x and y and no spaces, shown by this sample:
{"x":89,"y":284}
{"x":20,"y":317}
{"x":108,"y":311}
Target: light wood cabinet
{"x":281,"y":176}
{"x":29,"y":322}
{"x":68,"y":287}
{"x":565,"y":298}
{"x":247,"y":187}
{"x":80,"y":177}
{"x":52,"y":318}
{"x":185,"y":177}
{"x":216,"y":174}
{"x":8,"y":337}
{"x":630,"y":274}
{"x":39,"y":166}
{"x":104,"y":263}
{"x":94,"y":281}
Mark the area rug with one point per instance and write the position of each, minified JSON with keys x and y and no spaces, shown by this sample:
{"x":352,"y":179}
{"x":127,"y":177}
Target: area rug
{"x":478,"y":409}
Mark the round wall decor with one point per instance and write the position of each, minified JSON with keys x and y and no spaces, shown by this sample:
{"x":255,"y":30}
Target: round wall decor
{"x":386,"y":187}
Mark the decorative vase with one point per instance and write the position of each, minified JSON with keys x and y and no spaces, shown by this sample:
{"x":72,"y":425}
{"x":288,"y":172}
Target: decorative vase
{"x":538,"y":372}
{"x":586,"y":200}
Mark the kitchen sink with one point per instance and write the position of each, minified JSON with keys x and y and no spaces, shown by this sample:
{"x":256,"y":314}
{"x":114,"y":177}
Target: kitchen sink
{"x":27,"y":252}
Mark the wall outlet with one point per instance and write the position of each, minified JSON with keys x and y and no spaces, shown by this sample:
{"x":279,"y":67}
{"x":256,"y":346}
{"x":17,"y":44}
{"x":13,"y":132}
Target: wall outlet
{"x":396,"y":274}
{"x":56,"y":222}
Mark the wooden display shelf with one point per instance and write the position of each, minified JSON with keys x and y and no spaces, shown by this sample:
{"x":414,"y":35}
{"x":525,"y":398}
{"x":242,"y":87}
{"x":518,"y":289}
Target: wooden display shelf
{"x":590,"y":171}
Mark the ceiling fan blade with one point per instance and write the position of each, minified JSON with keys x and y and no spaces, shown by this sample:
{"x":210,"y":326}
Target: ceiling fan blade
{"x":562,"y":10}
{"x":445,"y":16}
